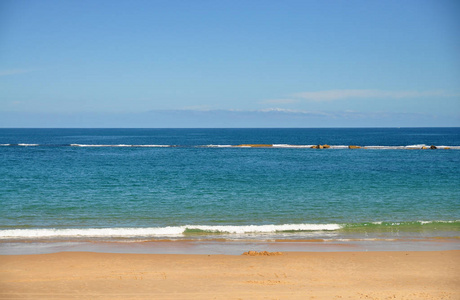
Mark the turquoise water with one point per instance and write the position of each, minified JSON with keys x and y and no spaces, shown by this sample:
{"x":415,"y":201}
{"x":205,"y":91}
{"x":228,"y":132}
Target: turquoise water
{"x":146,"y":184}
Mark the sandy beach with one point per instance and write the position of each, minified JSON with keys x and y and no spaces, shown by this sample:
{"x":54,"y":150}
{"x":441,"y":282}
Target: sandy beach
{"x":290,"y":275}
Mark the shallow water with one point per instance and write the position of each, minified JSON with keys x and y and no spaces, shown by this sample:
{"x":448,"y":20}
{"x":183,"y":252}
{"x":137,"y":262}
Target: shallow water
{"x":123,"y":184}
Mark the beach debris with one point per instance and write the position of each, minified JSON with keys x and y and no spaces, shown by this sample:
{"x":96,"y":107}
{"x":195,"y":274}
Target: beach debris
{"x":354,"y":147}
{"x":262,"y":253}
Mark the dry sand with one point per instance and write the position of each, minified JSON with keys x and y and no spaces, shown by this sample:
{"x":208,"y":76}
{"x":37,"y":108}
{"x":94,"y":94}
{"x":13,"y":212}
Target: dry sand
{"x":332,"y":275}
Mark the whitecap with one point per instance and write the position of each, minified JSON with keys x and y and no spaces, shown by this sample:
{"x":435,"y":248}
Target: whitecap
{"x":170,"y":231}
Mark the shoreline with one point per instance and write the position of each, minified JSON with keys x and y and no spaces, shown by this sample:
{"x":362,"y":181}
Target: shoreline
{"x":228,"y":247}
{"x":291,"y":275}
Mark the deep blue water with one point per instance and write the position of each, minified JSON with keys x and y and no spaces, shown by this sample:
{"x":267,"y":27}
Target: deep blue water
{"x":76,"y":179}
{"x":295,"y":136}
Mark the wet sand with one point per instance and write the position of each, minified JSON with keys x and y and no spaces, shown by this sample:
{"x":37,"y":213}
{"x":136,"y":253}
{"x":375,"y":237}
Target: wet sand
{"x":299,"y":275}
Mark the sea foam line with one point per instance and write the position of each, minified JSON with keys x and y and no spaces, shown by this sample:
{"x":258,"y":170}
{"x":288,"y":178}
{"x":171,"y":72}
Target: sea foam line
{"x":277,"y":146}
{"x":119,"y":145}
{"x":159,"y":231}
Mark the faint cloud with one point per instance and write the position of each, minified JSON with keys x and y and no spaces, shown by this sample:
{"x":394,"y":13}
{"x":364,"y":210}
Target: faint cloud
{"x":332,"y":95}
{"x":14,"y":72}
{"x":282,"y":110}
{"x":279,"y":101}
{"x":242,"y":111}
{"x":293,"y":111}
{"x":197,"y":108}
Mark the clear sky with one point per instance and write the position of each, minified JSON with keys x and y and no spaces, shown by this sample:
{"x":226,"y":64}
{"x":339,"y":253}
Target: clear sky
{"x":323,"y":63}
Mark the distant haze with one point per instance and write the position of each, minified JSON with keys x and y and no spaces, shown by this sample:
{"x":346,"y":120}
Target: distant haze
{"x":220,"y":119}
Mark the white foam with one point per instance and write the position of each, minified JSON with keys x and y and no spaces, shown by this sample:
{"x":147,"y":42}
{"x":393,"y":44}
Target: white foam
{"x":290,"y":146}
{"x":119,"y":145}
{"x":371,"y":147}
{"x":219,"y":146}
{"x":153,"y":146}
{"x":171,"y":231}
{"x":90,"y":232}
{"x":418,"y":146}
{"x":428,"y":222}
{"x":384,"y":147}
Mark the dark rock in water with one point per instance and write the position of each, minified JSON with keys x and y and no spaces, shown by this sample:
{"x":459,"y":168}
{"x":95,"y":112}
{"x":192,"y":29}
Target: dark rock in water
{"x":433,"y":147}
{"x":320,"y":147}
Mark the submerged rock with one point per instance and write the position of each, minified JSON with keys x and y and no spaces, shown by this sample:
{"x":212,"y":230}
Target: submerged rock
{"x":320,"y":147}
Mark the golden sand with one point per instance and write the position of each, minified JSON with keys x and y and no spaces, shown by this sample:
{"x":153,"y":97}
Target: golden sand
{"x":315,"y":275}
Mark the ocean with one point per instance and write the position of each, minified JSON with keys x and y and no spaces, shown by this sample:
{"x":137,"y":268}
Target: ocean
{"x":67,"y":189}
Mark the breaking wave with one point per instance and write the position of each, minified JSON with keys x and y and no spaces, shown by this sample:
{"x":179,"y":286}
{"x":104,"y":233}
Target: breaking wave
{"x":278,"y":146}
{"x":169,"y":231}
{"x":180,"y":231}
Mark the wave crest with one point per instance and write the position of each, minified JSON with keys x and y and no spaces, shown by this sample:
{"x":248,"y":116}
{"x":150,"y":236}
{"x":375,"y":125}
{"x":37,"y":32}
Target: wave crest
{"x":172,"y":231}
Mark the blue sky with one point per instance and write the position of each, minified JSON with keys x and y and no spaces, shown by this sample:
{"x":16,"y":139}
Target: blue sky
{"x":229,"y":63}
